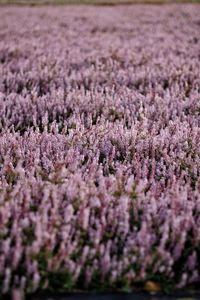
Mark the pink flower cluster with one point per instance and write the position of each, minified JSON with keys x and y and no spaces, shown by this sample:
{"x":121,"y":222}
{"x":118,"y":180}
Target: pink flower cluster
{"x":99,"y":147}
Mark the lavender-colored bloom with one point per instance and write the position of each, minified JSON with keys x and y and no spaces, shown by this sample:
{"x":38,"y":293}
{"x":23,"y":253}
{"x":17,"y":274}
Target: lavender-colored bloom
{"x":99,"y":147}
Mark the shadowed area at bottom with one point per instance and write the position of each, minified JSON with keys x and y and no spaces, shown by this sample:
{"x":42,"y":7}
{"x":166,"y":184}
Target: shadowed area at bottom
{"x":115,"y":296}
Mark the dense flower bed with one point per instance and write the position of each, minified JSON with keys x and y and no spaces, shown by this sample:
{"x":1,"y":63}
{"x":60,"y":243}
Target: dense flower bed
{"x":99,"y":147}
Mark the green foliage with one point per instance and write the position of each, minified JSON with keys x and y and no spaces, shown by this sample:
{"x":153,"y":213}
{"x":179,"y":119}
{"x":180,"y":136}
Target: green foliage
{"x":60,"y":281}
{"x":29,"y":235}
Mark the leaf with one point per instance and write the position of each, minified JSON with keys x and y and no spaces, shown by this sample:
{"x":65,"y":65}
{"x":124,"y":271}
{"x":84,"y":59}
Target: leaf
{"x":152,"y":286}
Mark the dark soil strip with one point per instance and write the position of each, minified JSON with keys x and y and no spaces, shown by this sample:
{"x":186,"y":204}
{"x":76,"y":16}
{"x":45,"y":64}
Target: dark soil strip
{"x":115,"y":296}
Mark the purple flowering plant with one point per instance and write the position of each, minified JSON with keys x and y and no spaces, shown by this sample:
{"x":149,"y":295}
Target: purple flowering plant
{"x":99,"y":147}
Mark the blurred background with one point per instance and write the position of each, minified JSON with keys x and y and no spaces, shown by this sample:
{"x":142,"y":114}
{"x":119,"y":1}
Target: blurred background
{"x":96,"y":2}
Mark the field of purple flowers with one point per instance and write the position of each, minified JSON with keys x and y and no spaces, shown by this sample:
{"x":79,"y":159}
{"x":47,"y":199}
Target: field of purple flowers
{"x":99,"y":147}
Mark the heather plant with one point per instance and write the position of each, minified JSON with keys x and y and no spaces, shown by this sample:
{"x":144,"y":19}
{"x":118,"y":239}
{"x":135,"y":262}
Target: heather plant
{"x":99,"y":148}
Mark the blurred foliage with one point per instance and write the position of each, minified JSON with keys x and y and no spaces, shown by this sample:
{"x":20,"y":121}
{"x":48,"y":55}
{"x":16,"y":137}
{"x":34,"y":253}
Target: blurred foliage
{"x":96,"y":2}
